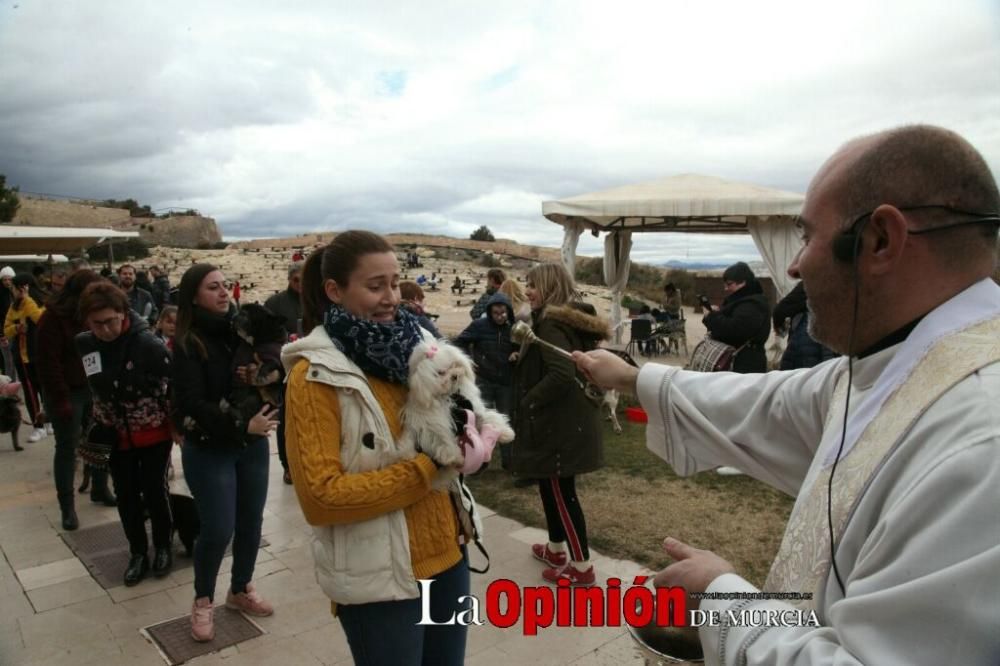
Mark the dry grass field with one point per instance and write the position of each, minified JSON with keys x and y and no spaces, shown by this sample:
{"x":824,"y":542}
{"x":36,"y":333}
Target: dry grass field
{"x":636,"y":500}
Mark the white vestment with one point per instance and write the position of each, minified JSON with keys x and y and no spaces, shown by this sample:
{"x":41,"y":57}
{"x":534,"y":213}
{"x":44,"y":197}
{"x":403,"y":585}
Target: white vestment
{"x":918,"y":547}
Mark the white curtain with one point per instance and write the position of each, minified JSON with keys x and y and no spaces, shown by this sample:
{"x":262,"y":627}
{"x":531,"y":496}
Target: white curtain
{"x":778,"y":242}
{"x":617,"y":247}
{"x":571,"y":237}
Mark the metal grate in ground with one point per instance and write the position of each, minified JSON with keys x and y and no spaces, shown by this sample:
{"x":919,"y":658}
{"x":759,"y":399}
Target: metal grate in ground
{"x":173,"y":637}
{"x":104,"y":550}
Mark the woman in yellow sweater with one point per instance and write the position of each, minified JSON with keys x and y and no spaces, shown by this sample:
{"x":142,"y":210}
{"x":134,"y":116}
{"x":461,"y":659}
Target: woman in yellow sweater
{"x":379,"y":528}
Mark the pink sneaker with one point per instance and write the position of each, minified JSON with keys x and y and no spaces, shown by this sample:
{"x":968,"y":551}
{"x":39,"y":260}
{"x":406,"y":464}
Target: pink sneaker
{"x":202,"y":620}
{"x":541,"y":552}
{"x":572,"y":574}
{"x":249,"y":602}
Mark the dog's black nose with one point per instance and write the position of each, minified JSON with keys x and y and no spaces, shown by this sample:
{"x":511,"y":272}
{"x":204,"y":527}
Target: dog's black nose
{"x":368,"y":439}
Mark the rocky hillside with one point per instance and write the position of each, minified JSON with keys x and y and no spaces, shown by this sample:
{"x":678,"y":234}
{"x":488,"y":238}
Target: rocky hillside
{"x":416,"y":242}
{"x":188,"y":231}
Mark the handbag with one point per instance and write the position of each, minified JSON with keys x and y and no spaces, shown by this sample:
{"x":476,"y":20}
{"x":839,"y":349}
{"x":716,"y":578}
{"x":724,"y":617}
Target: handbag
{"x":96,"y":447}
{"x":713,"y":356}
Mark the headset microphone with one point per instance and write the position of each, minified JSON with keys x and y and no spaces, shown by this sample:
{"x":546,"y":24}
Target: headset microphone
{"x":848,"y":243}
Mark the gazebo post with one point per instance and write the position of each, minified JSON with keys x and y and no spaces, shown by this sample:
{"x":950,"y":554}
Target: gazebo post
{"x":571,"y":238}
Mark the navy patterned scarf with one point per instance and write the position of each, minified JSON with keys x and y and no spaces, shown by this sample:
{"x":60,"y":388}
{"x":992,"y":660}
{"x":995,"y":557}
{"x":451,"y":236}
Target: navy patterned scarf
{"x":382,"y":350}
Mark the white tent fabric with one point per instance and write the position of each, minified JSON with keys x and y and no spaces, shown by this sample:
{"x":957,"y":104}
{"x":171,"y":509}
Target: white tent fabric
{"x":571,"y":238}
{"x":617,"y":247}
{"x":778,"y":243}
{"x":688,"y":203}
{"x":29,"y":239}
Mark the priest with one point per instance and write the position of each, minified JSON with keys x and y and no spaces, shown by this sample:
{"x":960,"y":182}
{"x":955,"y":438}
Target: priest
{"x":892,"y":451}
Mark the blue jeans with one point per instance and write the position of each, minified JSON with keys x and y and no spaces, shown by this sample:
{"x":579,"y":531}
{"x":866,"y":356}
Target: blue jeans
{"x":386,"y":633}
{"x":230,"y":490}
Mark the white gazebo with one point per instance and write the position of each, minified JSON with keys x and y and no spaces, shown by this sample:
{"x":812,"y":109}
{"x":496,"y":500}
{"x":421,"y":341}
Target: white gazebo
{"x":688,"y":203}
{"x":29,"y":239}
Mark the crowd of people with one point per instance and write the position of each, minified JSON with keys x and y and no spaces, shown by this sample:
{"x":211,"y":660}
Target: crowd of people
{"x":886,"y":379}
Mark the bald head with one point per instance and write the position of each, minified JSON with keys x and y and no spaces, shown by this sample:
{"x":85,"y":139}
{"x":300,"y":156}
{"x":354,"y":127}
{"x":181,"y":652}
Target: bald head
{"x":921,"y":165}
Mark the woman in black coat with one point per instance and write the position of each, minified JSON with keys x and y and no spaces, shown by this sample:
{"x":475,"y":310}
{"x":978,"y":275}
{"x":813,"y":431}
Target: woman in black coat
{"x":225,"y":455}
{"x":128,"y":370}
{"x":558,"y":428}
{"x":743,"y":320}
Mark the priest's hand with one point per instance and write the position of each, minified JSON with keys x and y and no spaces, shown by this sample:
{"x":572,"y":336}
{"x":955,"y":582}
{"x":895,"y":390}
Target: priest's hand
{"x":694,"y":569}
{"x":606,"y":370}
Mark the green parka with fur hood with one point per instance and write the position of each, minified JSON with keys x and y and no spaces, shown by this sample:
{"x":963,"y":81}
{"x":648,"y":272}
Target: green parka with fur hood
{"x":558,"y":428}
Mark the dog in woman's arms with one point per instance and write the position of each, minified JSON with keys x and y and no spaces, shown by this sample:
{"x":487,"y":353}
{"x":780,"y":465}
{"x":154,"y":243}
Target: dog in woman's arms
{"x":261,"y":333}
{"x":436,"y":421}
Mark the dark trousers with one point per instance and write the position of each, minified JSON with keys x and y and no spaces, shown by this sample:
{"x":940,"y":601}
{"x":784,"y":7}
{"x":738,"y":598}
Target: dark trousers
{"x":230,"y":490}
{"x":32,"y":389}
{"x":564,"y":515}
{"x":386,"y":633}
{"x":501,"y":398}
{"x":68,"y":432}
{"x":140,"y":476}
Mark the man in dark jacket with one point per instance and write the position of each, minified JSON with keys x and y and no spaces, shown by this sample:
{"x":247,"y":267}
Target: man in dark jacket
{"x":743,"y":320}
{"x":288,"y":304}
{"x":487,"y":341}
{"x":140,"y":300}
{"x":494,"y":278}
{"x":792,"y":316}
{"x":161,"y":287}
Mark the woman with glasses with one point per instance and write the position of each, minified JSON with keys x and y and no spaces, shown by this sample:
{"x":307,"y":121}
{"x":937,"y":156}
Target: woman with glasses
{"x":128,"y":370}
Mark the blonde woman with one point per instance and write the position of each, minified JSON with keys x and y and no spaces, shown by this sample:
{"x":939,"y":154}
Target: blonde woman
{"x":558,"y":428}
{"x":518,"y":301}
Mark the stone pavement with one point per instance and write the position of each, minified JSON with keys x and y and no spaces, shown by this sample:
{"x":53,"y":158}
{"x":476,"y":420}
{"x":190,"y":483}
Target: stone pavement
{"x":52,"y":612}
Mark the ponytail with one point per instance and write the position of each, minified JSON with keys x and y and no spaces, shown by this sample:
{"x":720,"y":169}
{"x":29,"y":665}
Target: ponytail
{"x":314,"y":300}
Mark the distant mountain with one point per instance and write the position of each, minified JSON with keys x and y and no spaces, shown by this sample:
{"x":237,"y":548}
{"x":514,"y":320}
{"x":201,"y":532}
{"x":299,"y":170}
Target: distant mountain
{"x":693,"y":265}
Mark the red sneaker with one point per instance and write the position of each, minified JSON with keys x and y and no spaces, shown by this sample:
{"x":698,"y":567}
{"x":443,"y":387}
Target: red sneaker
{"x":541,"y":552}
{"x":572,"y":574}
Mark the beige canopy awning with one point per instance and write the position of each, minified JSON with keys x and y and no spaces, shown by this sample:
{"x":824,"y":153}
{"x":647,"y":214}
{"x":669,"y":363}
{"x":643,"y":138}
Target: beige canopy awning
{"x":685,"y":203}
{"x":25,"y":239}
{"x":688,"y":203}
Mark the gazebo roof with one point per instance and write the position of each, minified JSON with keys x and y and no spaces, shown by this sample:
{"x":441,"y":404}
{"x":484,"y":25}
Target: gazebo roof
{"x":684,"y":203}
{"x":30,"y":239}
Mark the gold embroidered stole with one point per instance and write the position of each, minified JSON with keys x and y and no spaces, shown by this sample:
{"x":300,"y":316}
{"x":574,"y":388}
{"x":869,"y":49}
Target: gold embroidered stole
{"x":803,"y":560}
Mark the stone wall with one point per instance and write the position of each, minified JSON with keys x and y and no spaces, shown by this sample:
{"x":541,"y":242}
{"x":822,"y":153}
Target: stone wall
{"x":53,"y":213}
{"x":188,"y":231}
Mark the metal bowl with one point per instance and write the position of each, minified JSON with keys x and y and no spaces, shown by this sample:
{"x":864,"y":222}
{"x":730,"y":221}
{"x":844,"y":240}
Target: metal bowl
{"x":661,"y":646}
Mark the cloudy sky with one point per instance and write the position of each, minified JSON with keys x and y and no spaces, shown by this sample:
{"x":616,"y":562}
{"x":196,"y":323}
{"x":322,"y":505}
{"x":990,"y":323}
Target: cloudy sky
{"x":286,"y":117}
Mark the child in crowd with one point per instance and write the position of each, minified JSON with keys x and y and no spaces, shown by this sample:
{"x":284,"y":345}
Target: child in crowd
{"x":487,"y":341}
{"x":166,"y":325}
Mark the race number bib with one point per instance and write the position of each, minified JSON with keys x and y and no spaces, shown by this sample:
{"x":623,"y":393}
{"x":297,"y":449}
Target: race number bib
{"x":92,"y":363}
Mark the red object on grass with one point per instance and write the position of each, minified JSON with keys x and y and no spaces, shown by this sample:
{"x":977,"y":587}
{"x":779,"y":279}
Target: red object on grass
{"x":636,"y":415}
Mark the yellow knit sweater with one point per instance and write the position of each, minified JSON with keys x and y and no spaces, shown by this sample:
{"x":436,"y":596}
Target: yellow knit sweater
{"x":328,"y":495}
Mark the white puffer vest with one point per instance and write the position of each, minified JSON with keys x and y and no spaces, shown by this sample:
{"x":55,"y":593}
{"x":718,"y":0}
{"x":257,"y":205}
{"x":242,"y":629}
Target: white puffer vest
{"x":367,"y":561}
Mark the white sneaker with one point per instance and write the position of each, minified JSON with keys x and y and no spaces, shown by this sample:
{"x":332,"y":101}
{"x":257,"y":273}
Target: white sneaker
{"x":728,"y":471}
{"x":48,"y":429}
{"x":36,"y":434}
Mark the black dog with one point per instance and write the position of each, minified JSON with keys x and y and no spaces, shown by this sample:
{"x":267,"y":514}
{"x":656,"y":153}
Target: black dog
{"x":262,"y":333}
{"x":186,"y":522}
{"x":10,"y":418}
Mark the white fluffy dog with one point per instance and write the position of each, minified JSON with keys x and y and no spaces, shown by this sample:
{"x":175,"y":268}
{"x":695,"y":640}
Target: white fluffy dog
{"x":438,"y":371}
